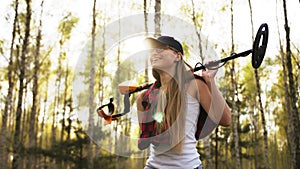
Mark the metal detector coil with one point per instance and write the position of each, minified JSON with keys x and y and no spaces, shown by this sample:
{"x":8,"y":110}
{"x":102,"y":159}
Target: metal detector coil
{"x":258,"y":51}
{"x":260,"y":45}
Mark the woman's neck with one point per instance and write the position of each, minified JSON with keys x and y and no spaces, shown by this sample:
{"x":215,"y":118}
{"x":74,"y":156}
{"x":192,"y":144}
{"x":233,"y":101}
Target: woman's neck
{"x":165,"y":78}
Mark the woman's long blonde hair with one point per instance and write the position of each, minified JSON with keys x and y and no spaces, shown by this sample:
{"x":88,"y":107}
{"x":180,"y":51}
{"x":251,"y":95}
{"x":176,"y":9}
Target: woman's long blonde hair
{"x":173,"y":104}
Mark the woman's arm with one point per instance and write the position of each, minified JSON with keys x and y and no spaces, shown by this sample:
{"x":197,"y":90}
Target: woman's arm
{"x":212,"y":100}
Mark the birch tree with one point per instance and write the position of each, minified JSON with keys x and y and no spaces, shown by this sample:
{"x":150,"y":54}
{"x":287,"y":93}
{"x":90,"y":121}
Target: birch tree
{"x":260,"y":105}
{"x":253,"y":116}
{"x":146,"y":33}
{"x":8,"y":99}
{"x":101,"y":65}
{"x":294,"y":114}
{"x":118,"y":97}
{"x":234,"y":110}
{"x":157,"y":18}
{"x":91,"y":90}
{"x":35,"y":89}
{"x":65,"y":29}
{"x":17,"y":143}
{"x":195,"y":18}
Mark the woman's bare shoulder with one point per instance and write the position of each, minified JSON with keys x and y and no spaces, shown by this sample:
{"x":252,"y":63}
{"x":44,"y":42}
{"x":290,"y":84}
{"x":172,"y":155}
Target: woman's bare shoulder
{"x":195,"y":86}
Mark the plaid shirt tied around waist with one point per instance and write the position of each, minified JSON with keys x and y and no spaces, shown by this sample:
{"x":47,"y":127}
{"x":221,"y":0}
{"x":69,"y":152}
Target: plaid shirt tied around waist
{"x":148,"y":125}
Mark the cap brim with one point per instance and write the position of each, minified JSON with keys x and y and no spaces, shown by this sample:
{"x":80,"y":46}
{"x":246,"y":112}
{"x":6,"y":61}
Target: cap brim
{"x":154,"y":43}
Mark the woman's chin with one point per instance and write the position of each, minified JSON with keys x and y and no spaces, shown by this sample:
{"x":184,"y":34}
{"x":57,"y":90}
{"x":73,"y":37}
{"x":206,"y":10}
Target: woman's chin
{"x":156,"y":66}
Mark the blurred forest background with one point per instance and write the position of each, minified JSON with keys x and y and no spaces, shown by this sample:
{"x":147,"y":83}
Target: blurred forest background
{"x":42,"y":41}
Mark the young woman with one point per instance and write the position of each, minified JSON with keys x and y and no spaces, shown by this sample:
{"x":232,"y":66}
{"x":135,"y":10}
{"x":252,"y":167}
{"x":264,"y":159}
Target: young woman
{"x":168,"y":111}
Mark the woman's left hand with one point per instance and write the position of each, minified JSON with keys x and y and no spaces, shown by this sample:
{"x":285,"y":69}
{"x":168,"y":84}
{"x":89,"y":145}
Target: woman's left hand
{"x":209,"y":74}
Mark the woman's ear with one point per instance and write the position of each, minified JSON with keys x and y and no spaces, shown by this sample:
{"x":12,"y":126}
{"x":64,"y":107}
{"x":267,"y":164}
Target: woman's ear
{"x":178,"y":56}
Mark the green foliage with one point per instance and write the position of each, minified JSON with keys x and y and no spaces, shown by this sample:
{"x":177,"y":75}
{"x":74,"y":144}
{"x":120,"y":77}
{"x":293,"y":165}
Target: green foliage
{"x":194,"y":14}
{"x":224,"y":8}
{"x":66,"y":26}
{"x":186,"y":51}
{"x":1,"y":46}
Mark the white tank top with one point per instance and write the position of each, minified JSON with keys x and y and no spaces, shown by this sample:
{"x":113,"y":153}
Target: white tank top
{"x":189,"y":158}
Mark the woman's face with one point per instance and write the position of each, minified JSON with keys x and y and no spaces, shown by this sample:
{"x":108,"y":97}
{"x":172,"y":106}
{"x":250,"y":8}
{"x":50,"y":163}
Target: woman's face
{"x":164,"y":58}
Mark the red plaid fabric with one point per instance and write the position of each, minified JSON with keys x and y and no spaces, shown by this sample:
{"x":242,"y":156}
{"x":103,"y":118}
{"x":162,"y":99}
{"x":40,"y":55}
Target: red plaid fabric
{"x":148,"y":124}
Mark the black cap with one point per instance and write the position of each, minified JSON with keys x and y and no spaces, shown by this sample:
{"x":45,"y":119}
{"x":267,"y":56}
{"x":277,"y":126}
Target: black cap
{"x":165,"y":41}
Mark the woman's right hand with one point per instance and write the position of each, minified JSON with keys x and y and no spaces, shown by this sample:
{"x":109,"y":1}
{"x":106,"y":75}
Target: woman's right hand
{"x":209,"y":74}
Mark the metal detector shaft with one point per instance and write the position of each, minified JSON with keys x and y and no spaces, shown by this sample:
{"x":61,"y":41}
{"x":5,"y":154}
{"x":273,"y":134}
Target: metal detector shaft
{"x":236,"y":55}
{"x":223,"y":60}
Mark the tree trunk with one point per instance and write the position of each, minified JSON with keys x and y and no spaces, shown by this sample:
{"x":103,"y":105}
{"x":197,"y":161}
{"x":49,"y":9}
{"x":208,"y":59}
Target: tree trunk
{"x":262,"y":113}
{"x":42,"y":126}
{"x":287,"y":108}
{"x":35,"y":89}
{"x":216,"y":148}
{"x":66,"y":102}
{"x":102,"y":66}
{"x":146,"y":32}
{"x":256,"y":141}
{"x":146,"y":60}
{"x":8,"y":100}
{"x":263,"y":121}
{"x":57,"y":105}
{"x":207,"y":151}
{"x":293,"y":95}
{"x":17,"y":144}
{"x":118,"y":94}
{"x":157,"y":18}
{"x":254,"y":117}
{"x":197,"y":32}
{"x":235,"y":121}
{"x":233,"y":107}
{"x":91,"y":91}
